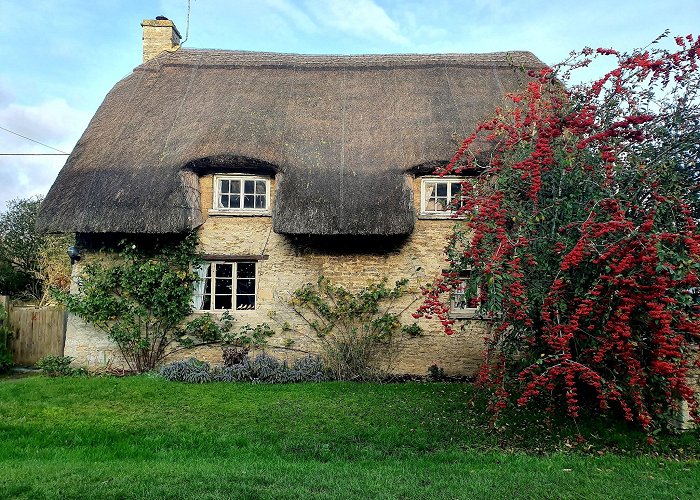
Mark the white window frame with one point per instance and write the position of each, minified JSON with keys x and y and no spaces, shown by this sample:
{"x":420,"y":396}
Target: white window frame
{"x":234,"y":294}
{"x":424,"y":182}
{"x":457,"y":295}
{"x":217,"y":209}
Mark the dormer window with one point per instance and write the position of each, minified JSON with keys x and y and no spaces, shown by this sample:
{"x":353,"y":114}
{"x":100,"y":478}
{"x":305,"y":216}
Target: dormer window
{"x":244,"y":194}
{"x":440,"y":196}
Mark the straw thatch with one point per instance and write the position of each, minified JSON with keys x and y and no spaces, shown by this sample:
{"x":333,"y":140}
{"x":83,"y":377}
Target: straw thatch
{"x":339,"y":133}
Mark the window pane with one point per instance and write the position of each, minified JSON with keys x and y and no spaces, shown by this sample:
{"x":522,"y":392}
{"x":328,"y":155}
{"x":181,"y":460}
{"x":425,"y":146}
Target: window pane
{"x":224,"y":270}
{"x":244,"y":302}
{"x":429,"y":189}
{"x":456,"y":188}
{"x":235,"y":187}
{"x":245,"y":286}
{"x":441,"y":188}
{"x":436,"y":204}
{"x":224,"y":186}
{"x":460,"y":300}
{"x":249,"y":201}
{"x":235,"y":201}
{"x":260,"y":187}
{"x":223,"y":302}
{"x":224,"y":201}
{"x":223,"y":286}
{"x":246,"y":270}
{"x":259,"y":201}
{"x":206,"y":304}
{"x":249,"y":187}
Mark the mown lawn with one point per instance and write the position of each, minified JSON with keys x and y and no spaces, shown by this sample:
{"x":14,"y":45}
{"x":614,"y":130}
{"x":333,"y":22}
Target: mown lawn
{"x":142,"y":437}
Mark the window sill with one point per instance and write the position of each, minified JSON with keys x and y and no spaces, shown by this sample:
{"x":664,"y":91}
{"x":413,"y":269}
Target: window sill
{"x":470,"y":313}
{"x":240,"y":213}
{"x":219,"y":312}
{"x":439,"y":216}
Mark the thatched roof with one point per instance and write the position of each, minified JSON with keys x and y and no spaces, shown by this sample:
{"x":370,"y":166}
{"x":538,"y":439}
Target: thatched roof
{"x":339,"y":131}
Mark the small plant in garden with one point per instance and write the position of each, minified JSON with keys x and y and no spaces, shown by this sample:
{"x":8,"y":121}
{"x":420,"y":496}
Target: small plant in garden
{"x":267,"y":369}
{"x":356,"y":330}
{"x":190,"y":370}
{"x":58,"y":366}
{"x":264,"y":368}
{"x":436,"y":373}
{"x":581,"y":236}
{"x":220,"y":329}
{"x":234,"y":355}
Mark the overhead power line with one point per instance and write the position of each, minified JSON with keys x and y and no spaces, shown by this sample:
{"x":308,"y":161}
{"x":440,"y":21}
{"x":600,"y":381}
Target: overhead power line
{"x":34,"y":154}
{"x":30,"y":139}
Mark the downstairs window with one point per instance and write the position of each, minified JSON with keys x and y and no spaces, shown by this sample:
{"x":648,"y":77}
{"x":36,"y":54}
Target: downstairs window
{"x":226,"y":286}
{"x":464,"y":303}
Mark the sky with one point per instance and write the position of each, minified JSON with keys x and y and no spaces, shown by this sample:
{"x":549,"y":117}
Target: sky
{"x":58,"y":59}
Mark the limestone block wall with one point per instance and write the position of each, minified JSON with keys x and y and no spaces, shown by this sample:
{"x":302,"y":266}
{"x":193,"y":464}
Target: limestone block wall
{"x":683,"y":419}
{"x":290,"y":263}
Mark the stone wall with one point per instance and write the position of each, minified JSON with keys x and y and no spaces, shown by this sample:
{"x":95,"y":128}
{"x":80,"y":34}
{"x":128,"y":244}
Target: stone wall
{"x":290,"y":263}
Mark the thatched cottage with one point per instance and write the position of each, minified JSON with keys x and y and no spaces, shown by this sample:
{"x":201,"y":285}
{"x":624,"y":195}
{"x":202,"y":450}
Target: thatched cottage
{"x":289,"y":167}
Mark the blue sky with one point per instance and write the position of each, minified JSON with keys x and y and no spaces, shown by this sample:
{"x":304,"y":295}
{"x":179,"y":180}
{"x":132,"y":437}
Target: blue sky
{"x":59,"y":58}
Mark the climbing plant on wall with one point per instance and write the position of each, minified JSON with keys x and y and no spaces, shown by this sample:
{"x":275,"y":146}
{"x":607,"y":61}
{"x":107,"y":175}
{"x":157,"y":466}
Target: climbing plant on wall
{"x":141,"y":297}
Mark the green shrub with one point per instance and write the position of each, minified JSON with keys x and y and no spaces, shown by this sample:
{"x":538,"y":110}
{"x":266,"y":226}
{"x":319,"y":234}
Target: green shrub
{"x":6,"y":362}
{"x":356,"y":330}
{"x":57,"y":366}
{"x":141,"y":299}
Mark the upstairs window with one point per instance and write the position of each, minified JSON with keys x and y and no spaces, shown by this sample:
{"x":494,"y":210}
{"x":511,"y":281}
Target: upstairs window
{"x":440,"y":195}
{"x":241,"y":193}
{"x":226,"y":286}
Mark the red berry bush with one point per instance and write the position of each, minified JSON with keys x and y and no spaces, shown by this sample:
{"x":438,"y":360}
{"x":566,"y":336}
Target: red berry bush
{"x":580,"y":236}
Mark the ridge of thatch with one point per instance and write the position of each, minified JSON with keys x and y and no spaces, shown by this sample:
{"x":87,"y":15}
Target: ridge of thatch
{"x":341,"y":133}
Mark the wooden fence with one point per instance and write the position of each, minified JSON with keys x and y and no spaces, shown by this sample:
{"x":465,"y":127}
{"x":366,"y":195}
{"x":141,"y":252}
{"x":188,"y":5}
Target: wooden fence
{"x":36,"y":331}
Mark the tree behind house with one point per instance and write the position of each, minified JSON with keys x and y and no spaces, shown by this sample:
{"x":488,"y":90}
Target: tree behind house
{"x":30,"y":262}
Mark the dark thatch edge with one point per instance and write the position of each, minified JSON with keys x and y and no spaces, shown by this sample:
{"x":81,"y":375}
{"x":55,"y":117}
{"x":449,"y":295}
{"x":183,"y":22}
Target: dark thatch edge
{"x":223,"y":164}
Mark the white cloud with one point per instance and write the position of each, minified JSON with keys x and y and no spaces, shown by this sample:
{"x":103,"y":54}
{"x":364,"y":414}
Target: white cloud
{"x":52,"y":122}
{"x":296,"y":16}
{"x":361,"y":18}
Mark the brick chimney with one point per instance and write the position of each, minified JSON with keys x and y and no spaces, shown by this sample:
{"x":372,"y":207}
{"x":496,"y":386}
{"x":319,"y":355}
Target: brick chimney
{"x":159,"y":34}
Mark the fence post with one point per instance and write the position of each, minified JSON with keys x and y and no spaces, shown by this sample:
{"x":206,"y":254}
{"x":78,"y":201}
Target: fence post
{"x":5,"y":303}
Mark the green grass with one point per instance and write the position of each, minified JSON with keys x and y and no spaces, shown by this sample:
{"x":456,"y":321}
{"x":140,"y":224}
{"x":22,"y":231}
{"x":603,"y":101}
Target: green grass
{"x":142,"y":437}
